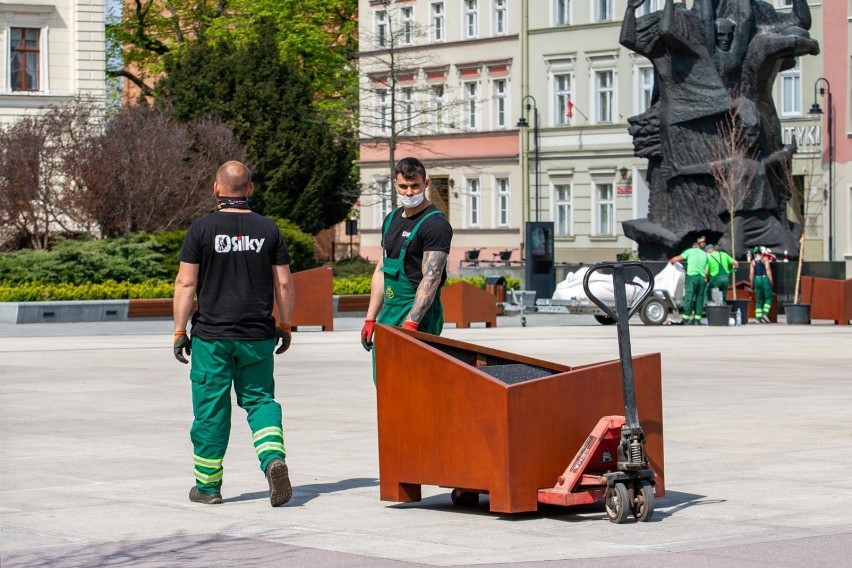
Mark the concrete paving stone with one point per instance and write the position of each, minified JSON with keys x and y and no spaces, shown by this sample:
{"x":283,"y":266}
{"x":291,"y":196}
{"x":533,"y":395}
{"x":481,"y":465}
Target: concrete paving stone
{"x":757,"y":454}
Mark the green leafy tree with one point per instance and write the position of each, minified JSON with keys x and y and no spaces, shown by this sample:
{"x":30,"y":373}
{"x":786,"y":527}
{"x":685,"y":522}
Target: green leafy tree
{"x":303,"y":170}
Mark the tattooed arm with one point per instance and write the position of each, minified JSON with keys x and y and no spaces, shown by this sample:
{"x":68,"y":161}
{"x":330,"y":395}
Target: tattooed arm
{"x":433,"y":266}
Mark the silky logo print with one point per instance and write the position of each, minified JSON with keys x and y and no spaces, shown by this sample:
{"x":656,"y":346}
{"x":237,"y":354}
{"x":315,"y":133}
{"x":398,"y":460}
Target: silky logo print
{"x":227,"y":243}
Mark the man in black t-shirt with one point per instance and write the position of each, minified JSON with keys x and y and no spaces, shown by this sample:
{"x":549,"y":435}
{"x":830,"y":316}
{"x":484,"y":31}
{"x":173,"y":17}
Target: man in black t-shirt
{"x":237,"y":263}
{"x":416,"y":238}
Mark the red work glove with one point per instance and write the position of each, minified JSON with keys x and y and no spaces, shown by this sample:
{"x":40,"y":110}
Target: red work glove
{"x":282,"y":333}
{"x":367,"y":334}
{"x":412,"y":325}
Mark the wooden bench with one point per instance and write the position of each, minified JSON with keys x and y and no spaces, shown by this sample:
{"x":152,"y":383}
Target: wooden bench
{"x":160,"y":308}
{"x":353,"y":303}
{"x":829,"y":299}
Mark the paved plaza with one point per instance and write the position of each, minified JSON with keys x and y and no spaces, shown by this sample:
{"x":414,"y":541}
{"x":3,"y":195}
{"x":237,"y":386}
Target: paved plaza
{"x":96,"y":464}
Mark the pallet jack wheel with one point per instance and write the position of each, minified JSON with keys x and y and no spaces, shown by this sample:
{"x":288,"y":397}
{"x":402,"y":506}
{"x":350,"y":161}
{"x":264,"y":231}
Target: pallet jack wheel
{"x":464,"y":498}
{"x":617,"y":504}
{"x":643,"y":503}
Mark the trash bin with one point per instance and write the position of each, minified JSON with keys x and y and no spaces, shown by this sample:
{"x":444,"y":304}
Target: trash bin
{"x":496,"y":286}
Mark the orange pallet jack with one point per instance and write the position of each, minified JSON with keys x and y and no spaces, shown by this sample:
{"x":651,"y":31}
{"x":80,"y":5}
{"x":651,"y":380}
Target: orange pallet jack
{"x":611,"y":465}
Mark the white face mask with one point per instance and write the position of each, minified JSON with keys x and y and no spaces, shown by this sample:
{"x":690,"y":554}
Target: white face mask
{"x":413,"y":201}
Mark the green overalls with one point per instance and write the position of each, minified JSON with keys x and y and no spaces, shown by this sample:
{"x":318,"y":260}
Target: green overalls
{"x":399,"y":292}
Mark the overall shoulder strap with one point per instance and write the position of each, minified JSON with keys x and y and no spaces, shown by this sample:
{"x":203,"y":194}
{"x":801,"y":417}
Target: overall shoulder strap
{"x":410,"y":236}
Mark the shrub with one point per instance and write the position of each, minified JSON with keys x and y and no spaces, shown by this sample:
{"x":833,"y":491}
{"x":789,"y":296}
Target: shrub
{"x":353,"y":266}
{"x":300,"y":245}
{"x":169,"y":244}
{"x":134,"y":258}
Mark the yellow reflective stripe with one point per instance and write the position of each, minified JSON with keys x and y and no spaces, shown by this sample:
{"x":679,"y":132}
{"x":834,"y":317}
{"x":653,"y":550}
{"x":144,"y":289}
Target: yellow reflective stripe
{"x":269,"y":446}
{"x":270,"y":431}
{"x":204,"y":462}
{"x":203,"y":478}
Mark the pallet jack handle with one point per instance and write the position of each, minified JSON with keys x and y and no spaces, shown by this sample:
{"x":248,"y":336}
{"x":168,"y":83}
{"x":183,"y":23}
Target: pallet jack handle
{"x":621,"y":316}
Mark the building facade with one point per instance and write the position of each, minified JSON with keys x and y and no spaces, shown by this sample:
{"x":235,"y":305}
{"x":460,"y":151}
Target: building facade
{"x":572,"y":164}
{"x":440,"y":81}
{"x":50,"y":50}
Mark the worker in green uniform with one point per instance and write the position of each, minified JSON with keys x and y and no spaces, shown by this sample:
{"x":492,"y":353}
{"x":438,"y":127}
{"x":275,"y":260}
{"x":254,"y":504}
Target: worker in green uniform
{"x":720,"y":265}
{"x":693,"y":287}
{"x":416,"y":237}
{"x":236,"y":262}
{"x":760,"y":276}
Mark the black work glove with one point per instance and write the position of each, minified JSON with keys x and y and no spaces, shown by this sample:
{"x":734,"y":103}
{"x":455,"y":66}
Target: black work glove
{"x":182,"y":342}
{"x":283,"y":334}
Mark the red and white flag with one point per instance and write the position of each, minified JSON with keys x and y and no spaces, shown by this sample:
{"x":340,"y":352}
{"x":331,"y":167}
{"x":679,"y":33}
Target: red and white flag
{"x":569,"y":109}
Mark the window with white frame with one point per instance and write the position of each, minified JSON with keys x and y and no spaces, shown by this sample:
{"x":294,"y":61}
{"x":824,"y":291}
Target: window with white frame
{"x":561,"y":98}
{"x":471,"y":18}
{"x":501,"y":17}
{"x":474,"y":202}
{"x":644,"y":88}
{"x":603,"y":96}
{"x":407,"y":107}
{"x":380,"y":28}
{"x":438,"y":32}
{"x":471,"y":104}
{"x":439,"y":111}
{"x":791,"y":90}
{"x":504,"y":201}
{"x":382,"y":111}
{"x":501,"y":103}
{"x":563,"y":210}
{"x":407,"y":23}
{"x":561,"y":12}
{"x":24,"y":59}
{"x":649,"y":7}
{"x":603,"y":10}
{"x":384,"y":200}
{"x":604,"y":209}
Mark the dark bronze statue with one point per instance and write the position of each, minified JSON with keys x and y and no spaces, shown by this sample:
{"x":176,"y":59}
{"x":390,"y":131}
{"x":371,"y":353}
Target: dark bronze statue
{"x":714,"y":66}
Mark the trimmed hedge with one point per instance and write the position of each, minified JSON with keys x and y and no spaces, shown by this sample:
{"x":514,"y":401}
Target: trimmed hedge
{"x":111,"y":290}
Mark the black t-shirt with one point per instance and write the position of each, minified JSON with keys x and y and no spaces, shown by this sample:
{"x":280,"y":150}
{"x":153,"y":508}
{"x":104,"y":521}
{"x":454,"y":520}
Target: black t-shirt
{"x":435,"y":234}
{"x":235,"y":253}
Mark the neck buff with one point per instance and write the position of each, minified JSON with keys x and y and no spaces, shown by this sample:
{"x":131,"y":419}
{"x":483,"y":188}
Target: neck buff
{"x":232,"y":202}
{"x":413,"y":201}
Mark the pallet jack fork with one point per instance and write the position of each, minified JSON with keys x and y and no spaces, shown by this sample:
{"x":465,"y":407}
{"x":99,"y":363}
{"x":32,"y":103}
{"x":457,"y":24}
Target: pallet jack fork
{"x":612,"y":464}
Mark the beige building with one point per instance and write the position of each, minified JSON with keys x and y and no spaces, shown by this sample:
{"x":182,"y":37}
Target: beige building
{"x":50,"y":50}
{"x":580,"y":172}
{"x":441,"y":80}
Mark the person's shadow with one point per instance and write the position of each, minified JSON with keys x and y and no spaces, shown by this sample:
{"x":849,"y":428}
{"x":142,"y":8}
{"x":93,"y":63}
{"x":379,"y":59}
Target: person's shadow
{"x":304,"y":493}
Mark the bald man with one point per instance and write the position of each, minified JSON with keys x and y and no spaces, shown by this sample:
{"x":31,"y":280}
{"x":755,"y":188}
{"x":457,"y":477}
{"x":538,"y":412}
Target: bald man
{"x":236,"y":262}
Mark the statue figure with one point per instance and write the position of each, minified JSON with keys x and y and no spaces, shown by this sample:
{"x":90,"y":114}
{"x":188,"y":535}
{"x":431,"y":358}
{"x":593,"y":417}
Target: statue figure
{"x":715,"y":60}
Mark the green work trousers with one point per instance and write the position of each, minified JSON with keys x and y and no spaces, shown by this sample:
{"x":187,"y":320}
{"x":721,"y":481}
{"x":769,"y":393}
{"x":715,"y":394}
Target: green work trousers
{"x":762,"y":296}
{"x":720,"y":281}
{"x":693,"y":298}
{"x":216,"y":364}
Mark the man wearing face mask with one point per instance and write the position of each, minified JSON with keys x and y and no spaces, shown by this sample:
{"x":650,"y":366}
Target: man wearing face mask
{"x":416,"y":238}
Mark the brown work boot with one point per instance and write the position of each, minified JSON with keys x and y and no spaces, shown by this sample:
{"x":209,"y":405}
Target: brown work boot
{"x":280,"y":490}
{"x":197,"y":496}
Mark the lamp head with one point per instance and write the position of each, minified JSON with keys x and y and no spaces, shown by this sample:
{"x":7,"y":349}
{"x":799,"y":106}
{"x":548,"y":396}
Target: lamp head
{"x":815,"y":109}
{"x":522,"y":122}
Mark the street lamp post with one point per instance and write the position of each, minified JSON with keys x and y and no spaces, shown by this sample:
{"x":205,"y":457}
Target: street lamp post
{"x":816,"y":110}
{"x":522,"y":123}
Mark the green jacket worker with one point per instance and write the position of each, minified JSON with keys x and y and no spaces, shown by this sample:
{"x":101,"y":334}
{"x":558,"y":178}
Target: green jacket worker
{"x":416,"y":237}
{"x":720,"y":265}
{"x":693,"y":287}
{"x":236,"y":262}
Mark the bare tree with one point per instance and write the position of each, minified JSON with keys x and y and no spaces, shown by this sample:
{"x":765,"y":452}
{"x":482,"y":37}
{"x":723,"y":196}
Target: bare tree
{"x":803,"y":207}
{"x":39,"y":155}
{"x":148,"y":172}
{"x":735,"y":167}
